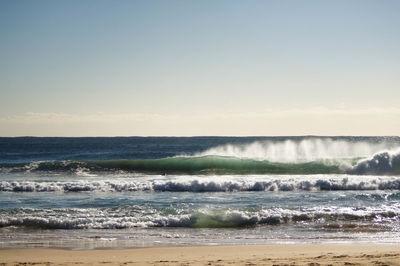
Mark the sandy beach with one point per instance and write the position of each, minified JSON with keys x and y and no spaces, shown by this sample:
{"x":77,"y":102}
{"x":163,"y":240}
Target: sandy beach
{"x":293,"y":254}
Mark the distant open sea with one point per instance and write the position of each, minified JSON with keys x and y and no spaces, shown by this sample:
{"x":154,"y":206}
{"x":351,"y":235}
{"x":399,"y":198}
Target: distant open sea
{"x":126,"y":192}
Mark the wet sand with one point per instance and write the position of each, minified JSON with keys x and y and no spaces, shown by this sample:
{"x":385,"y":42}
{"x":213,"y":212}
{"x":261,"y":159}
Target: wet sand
{"x":298,"y":254}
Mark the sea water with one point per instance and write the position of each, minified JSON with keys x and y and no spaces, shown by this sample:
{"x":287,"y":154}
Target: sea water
{"x":86,"y":193}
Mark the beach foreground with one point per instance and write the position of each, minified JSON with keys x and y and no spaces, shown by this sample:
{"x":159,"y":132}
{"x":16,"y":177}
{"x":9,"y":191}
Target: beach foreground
{"x":298,"y":254}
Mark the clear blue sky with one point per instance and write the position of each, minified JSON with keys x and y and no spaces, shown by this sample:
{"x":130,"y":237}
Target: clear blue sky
{"x":193,"y":63}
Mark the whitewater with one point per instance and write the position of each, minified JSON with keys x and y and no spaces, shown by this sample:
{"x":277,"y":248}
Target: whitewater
{"x":162,"y":191}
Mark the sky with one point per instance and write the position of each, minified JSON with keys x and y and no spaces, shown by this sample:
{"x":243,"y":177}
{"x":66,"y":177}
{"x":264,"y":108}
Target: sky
{"x":190,"y":68}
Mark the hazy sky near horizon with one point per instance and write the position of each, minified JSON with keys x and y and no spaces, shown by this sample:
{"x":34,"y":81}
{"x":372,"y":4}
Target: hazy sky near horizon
{"x":108,"y":68}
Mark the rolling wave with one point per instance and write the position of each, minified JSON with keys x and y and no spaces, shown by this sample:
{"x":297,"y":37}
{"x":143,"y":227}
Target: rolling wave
{"x":137,"y":216}
{"x":385,"y":162}
{"x":210,"y":184}
{"x":381,"y":163}
{"x":181,"y":165}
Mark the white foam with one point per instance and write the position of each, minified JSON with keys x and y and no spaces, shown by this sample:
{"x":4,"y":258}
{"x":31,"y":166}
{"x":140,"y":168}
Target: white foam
{"x":384,"y":162}
{"x":138,"y":216}
{"x":217,"y":183}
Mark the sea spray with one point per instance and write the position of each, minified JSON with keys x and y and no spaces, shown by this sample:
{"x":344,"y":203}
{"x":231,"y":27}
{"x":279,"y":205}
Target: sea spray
{"x":295,"y":151}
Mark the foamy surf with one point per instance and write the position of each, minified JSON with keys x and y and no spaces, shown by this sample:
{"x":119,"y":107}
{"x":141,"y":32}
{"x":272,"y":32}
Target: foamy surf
{"x":138,"y":216}
{"x":226,"y":183}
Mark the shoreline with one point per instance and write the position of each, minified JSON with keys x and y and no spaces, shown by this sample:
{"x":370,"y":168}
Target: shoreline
{"x":299,"y":254}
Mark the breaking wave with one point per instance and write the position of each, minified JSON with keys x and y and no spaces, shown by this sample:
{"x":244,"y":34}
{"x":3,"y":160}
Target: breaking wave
{"x":381,"y":163}
{"x":138,"y":216}
{"x":386,"y":162}
{"x":210,"y":184}
{"x":304,"y":156}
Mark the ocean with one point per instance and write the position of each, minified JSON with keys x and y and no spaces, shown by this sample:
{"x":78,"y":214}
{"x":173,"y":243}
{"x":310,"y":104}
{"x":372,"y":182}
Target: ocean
{"x":128,"y":192}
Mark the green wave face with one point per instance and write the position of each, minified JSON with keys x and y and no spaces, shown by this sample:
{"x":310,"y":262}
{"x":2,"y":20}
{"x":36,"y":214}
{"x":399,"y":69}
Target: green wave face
{"x":383,"y":163}
{"x":215,"y":165}
{"x":219,"y":220}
